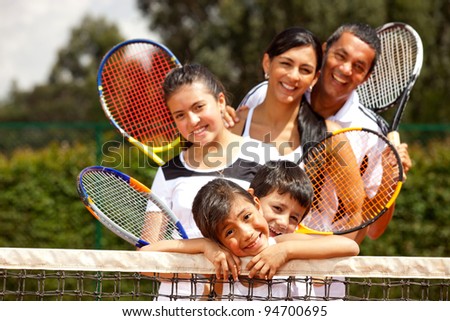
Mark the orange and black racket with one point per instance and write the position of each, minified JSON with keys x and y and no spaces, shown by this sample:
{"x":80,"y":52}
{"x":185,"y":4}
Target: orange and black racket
{"x":356,"y":174}
{"x":129,"y":80}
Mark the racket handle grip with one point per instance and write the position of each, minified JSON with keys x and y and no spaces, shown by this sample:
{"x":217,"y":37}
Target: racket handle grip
{"x":394,"y":138}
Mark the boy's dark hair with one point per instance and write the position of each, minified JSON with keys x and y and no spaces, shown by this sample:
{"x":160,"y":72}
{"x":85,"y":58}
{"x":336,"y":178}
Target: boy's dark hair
{"x":213,"y":203}
{"x":364,"y":32}
{"x":283,"y":177}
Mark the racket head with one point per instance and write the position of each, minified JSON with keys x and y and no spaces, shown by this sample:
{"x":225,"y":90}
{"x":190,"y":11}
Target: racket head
{"x":129,"y":83}
{"x":397,"y":68}
{"x":127,"y":207}
{"x":356,"y":175}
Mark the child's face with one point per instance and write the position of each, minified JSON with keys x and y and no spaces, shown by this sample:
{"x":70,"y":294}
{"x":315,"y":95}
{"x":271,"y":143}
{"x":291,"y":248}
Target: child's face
{"x":197,"y":113}
{"x":282,"y":212}
{"x":245,"y":232}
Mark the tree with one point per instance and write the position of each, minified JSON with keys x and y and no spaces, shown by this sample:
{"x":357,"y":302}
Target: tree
{"x":88,"y":44}
{"x":229,"y":37}
{"x":70,"y":93}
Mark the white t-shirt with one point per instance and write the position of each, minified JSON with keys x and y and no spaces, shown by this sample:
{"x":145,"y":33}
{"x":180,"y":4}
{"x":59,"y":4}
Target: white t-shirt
{"x":177,"y":184}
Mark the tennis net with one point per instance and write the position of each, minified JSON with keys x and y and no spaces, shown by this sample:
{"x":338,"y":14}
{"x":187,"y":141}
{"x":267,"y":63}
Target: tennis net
{"x":65,"y":274}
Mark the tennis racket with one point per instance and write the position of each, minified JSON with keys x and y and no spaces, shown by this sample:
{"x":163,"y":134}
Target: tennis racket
{"x":127,"y":207}
{"x":356,"y":175}
{"x":129,"y":83}
{"x":395,"y":73}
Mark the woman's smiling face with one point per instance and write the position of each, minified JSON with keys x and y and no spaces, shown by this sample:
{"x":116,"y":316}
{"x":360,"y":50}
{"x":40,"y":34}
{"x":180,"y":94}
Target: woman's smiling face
{"x":197,"y":113}
{"x":291,"y":73}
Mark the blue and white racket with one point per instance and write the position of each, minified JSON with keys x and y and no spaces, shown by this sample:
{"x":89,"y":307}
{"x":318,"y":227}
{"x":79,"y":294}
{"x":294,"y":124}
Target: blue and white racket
{"x":127,"y":207}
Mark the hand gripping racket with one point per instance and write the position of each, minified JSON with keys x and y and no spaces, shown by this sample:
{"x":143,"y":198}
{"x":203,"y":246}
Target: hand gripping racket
{"x":356,"y":175}
{"x":127,"y":207}
{"x":129,"y":80}
{"x":395,"y":73}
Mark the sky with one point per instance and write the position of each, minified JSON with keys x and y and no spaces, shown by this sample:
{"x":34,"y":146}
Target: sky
{"x":32,"y":32}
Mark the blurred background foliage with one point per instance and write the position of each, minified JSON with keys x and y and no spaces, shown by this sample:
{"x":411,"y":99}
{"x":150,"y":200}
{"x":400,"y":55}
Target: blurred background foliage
{"x":230,"y":37}
{"x":51,"y":132}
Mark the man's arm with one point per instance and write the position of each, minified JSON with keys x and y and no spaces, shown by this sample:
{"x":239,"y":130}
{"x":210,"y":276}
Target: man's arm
{"x":377,"y":228}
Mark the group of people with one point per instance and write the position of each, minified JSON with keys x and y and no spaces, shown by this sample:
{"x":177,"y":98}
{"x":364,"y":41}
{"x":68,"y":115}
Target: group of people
{"x":236,"y":186}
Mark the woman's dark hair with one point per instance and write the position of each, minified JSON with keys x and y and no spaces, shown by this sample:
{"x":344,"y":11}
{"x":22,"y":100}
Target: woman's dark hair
{"x":311,"y":126}
{"x":295,"y":37}
{"x":189,"y":74}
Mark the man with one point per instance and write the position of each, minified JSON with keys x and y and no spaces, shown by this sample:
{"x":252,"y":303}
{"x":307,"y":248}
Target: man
{"x":350,"y":55}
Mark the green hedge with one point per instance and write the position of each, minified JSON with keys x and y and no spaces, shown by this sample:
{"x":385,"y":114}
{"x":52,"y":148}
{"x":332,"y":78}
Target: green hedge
{"x":421,"y":222}
{"x":40,"y":207}
{"x":39,"y":203}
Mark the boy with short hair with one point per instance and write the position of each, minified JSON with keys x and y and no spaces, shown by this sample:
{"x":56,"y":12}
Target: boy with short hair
{"x":232,"y":217}
{"x":285,"y":193}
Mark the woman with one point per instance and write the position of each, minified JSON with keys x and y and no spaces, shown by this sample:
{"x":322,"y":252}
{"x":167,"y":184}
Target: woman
{"x":291,"y":65}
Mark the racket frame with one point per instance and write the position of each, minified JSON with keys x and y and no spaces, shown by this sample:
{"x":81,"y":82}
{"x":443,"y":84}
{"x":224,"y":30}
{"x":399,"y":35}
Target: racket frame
{"x":111,"y":225}
{"x":149,"y":151}
{"x":369,"y":87}
{"x":306,"y":230}
{"x":366,"y":90}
